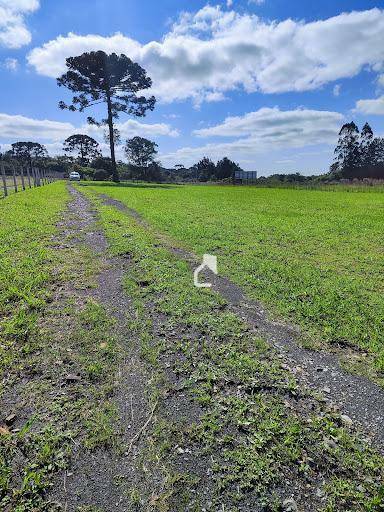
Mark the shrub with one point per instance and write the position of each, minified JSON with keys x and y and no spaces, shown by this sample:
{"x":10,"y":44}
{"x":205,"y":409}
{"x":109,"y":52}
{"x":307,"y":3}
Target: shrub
{"x":101,"y":175}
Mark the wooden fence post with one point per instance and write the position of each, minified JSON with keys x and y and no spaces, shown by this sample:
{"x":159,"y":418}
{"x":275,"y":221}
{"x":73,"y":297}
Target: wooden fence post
{"x":29,"y":177}
{"x":22,"y":177}
{"x":35,"y":182}
{"x":4,"y":180}
{"x":14,"y":178}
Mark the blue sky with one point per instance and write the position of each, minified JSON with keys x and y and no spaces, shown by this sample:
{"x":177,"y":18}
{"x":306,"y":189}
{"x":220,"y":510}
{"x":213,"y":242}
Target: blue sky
{"x":267,"y":83}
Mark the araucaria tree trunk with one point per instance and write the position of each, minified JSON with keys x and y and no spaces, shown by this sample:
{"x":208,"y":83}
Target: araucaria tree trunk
{"x":115,"y":174}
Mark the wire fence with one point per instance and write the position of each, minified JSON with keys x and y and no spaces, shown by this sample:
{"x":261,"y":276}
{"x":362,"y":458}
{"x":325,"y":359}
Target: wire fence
{"x":16,"y":178}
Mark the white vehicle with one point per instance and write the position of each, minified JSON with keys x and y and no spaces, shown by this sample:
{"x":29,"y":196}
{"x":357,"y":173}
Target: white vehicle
{"x":74,"y":176}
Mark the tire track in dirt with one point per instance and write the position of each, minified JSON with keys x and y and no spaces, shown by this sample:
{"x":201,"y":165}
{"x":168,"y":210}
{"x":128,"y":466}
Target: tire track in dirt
{"x":104,"y":477}
{"x":357,"y":398}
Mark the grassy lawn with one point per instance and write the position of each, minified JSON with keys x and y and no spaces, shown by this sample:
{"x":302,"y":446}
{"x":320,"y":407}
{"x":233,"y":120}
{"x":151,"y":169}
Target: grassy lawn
{"x":257,"y":432}
{"x":27,"y":225}
{"x":49,"y":329}
{"x":313,"y":256}
{"x":259,"y":435}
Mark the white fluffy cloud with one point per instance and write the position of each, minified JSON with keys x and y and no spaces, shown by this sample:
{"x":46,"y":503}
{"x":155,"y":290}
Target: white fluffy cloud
{"x":214,"y":50}
{"x":131,"y":127}
{"x":275,"y":126}
{"x":19,"y":127}
{"x":11,"y":64}
{"x":336,"y":90}
{"x":22,"y":127}
{"x":380,"y":80}
{"x":13,"y":30}
{"x":262,"y":132}
{"x":373,"y":106}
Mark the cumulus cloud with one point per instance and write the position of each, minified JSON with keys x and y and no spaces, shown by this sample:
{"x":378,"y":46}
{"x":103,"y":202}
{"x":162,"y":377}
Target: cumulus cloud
{"x":263,"y":131}
{"x":19,"y":127}
{"x":380,"y":80}
{"x":275,"y":126}
{"x":13,"y":30}
{"x":336,"y":90}
{"x":373,"y":106}
{"x":11,"y":64}
{"x":214,"y":51}
{"x":131,"y":127}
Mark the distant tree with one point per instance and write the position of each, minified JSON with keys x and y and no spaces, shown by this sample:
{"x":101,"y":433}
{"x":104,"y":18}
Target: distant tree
{"x":101,"y":175}
{"x":334,"y":170}
{"x":347,"y":152}
{"x":60,"y":164}
{"x":102,"y":162}
{"x":140,"y":152}
{"x":366,"y":139}
{"x":358,"y":156}
{"x":377,"y":153}
{"x":153,"y":172}
{"x":28,"y":152}
{"x":86,"y":147}
{"x":96,"y":77}
{"x":225,"y":168}
{"x":205,"y":169}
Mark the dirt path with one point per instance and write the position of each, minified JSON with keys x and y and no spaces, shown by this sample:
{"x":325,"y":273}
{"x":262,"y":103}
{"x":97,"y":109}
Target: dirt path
{"x":356,"y":397}
{"x":104,"y":477}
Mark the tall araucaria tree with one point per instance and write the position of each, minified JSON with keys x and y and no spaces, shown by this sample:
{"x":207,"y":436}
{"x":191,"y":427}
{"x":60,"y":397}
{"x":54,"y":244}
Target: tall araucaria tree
{"x":85,"y":146}
{"x":96,"y":77}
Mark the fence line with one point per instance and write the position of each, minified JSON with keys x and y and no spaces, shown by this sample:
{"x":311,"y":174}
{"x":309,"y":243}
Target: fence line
{"x":18,"y":178}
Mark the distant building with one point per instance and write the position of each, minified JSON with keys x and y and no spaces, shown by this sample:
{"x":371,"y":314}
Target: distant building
{"x":245,"y":177}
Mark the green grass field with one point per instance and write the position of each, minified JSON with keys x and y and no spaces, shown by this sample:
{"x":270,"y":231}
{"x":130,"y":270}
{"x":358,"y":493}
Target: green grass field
{"x":27,"y":225}
{"x":262,"y":436}
{"x":314,"y":257}
{"x":255,"y":441}
{"x":41,"y":341}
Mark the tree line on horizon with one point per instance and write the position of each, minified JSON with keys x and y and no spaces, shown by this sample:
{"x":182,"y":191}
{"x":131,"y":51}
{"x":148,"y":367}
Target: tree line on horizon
{"x":82,"y":153}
